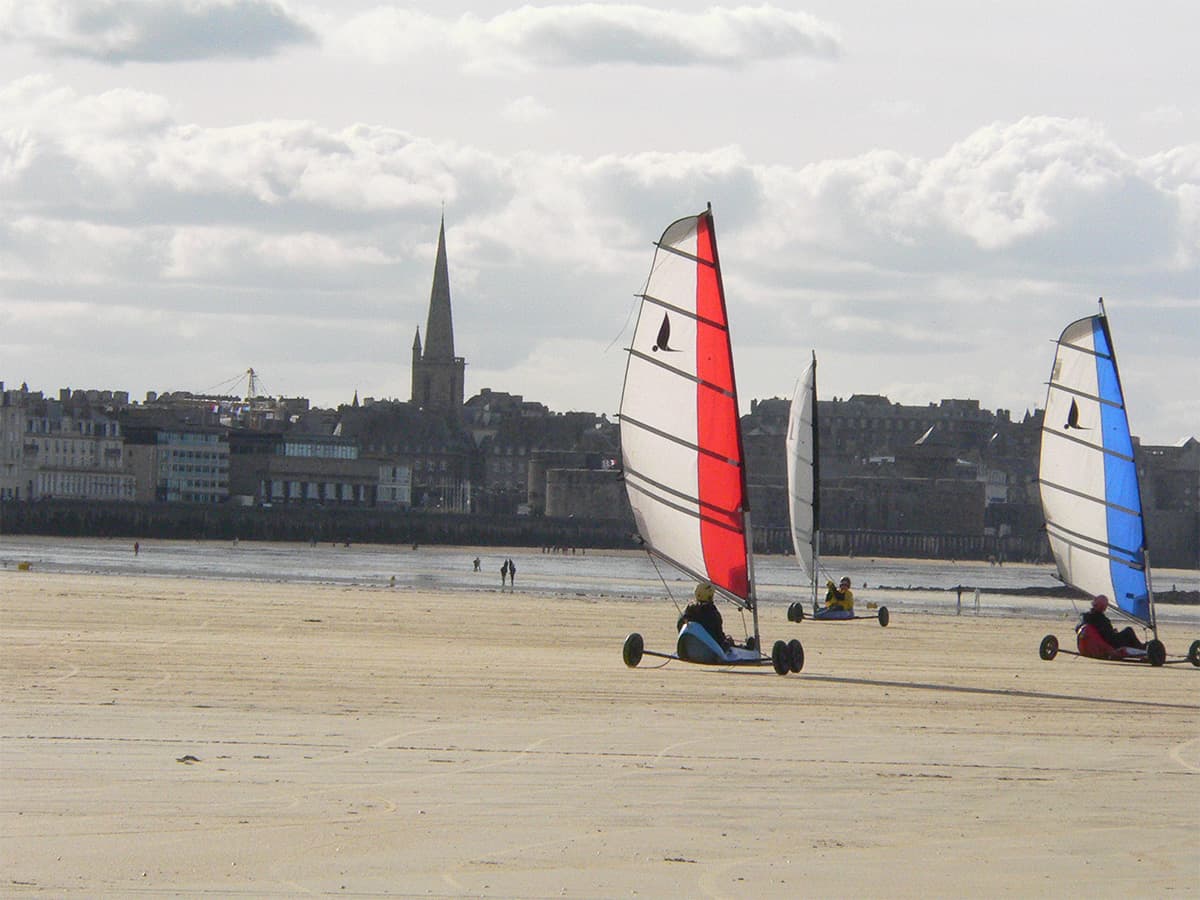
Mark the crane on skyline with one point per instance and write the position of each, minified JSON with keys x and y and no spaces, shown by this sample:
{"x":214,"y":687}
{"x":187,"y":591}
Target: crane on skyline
{"x":254,"y":384}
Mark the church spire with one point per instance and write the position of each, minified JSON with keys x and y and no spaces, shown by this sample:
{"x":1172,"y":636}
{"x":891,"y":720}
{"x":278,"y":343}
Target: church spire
{"x":439,"y":329}
{"x":437,"y":374}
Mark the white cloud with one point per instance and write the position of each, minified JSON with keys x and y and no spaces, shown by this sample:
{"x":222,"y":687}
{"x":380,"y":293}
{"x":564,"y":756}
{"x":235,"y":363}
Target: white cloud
{"x":526,"y":109}
{"x":591,"y":34}
{"x":119,"y":31}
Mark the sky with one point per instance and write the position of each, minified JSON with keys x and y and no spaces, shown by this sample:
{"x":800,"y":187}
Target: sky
{"x":924,"y":194}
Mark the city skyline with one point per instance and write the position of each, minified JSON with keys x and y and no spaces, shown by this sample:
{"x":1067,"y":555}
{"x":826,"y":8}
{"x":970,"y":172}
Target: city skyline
{"x":925,"y":199}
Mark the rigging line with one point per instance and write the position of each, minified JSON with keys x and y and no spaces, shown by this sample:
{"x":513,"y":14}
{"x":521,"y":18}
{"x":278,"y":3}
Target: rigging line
{"x":628,"y":316}
{"x":666,"y":587}
{"x":229,"y":382}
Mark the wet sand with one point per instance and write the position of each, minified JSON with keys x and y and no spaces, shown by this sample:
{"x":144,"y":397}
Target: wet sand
{"x":166,"y":736}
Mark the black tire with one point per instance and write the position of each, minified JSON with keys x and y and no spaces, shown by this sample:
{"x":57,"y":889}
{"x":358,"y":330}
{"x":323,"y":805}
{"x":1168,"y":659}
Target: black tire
{"x":1156,"y":653}
{"x":795,"y":655}
{"x":884,"y":617}
{"x":1194,"y":653}
{"x":633,"y":649}
{"x":779,"y":658}
{"x":1049,"y":647}
{"x":795,"y":612}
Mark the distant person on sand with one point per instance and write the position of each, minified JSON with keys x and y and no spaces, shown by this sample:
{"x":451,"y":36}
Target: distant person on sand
{"x":704,"y":612}
{"x":512,"y":573}
{"x":136,"y":548}
{"x":1096,"y":618}
{"x":504,"y":574}
{"x":839,"y":601}
{"x":477,"y":564}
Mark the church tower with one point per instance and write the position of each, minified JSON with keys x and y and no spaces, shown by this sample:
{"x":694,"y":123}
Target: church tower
{"x":437,"y":374}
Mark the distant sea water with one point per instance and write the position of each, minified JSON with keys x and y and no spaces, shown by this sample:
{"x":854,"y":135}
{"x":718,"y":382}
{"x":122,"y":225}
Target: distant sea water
{"x":918,"y":585}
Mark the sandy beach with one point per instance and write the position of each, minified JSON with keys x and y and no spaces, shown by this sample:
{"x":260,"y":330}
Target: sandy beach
{"x":173,"y":737}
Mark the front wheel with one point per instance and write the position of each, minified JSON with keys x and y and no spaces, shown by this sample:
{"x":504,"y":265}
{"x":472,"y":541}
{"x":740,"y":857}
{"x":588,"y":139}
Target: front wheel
{"x":884,"y":617}
{"x":795,"y":655}
{"x":1194,"y":653}
{"x":795,"y":612}
{"x":1049,"y":647}
{"x":1156,"y":653}
{"x":633,"y":649}
{"x":779,"y":658}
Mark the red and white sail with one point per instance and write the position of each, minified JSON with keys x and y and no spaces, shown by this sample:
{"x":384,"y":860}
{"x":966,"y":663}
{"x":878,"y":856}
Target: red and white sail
{"x":681,"y":444}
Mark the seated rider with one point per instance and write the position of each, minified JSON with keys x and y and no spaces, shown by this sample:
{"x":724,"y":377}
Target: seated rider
{"x":704,"y":612}
{"x":839,"y":601}
{"x":1096,"y":618}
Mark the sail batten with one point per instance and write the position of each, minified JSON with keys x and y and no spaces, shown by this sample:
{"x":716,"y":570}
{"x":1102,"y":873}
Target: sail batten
{"x":1088,"y":478}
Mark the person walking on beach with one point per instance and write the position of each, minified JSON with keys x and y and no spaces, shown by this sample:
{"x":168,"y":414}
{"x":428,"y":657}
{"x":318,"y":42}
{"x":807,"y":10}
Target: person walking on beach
{"x":512,"y":573}
{"x":477,"y":564}
{"x":504,"y":574}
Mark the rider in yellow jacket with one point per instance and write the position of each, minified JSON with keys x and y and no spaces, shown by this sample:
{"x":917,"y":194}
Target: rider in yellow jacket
{"x":840,"y":597}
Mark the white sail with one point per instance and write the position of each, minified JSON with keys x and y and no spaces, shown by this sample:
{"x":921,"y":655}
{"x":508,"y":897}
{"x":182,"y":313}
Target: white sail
{"x":681,"y":444}
{"x":1087,"y":474}
{"x":801,"y":446}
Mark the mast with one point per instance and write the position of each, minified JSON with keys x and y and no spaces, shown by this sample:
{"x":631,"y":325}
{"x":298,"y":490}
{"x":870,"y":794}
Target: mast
{"x":816,"y":487}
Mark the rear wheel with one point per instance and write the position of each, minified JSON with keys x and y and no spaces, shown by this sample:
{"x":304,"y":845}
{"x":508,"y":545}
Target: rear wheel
{"x":1194,"y":653}
{"x":1049,"y":648}
{"x":779,"y":658}
{"x":633,"y":649}
{"x":795,"y":612}
{"x":884,"y":617}
{"x":795,"y":655}
{"x":1156,"y":653}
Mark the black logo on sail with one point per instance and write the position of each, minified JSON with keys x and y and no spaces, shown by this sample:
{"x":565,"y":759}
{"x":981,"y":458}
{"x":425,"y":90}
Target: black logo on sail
{"x":1073,"y":418}
{"x":664,"y":337}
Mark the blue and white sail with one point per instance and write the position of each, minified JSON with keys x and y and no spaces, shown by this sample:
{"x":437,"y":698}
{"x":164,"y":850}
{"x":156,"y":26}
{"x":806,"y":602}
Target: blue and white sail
{"x":1091,"y":499}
